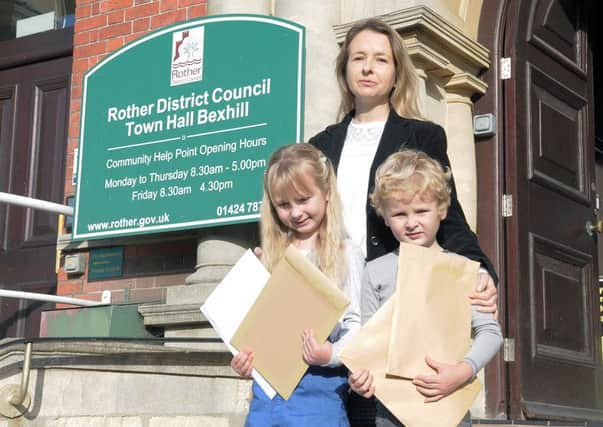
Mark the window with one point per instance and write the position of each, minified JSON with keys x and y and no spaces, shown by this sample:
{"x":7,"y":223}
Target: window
{"x":20,"y":18}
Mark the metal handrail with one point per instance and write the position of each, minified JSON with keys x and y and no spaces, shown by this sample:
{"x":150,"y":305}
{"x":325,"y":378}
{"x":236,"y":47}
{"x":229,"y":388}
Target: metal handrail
{"x":18,"y":398}
{"x":50,"y":298}
{"x":30,"y":202}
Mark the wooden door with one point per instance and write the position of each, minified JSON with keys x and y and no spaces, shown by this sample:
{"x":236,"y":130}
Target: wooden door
{"x":34,"y":106}
{"x":552,"y":262}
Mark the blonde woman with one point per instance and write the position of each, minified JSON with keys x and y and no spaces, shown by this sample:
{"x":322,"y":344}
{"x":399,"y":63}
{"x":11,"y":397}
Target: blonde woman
{"x":380,"y":115}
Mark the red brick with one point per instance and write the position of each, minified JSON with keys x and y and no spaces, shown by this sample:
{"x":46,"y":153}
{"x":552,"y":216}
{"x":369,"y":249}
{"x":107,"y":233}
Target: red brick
{"x":115,"y":17}
{"x":168,"y":18}
{"x":186,"y":3}
{"x":82,"y":11}
{"x":89,"y":50}
{"x":89,"y":297}
{"x":81,"y":38}
{"x":142,"y":24}
{"x":75,"y":104}
{"x":76,"y":91}
{"x":69,"y":288}
{"x":144,"y":282}
{"x":116,"y":30}
{"x":148,"y":295}
{"x":170,"y":280}
{"x":93,"y":36}
{"x":109,"y":5}
{"x":95,"y":8}
{"x":74,"y":119}
{"x":108,"y":285}
{"x":197,"y":11}
{"x":142,"y":11}
{"x":132,"y":37}
{"x":90,"y":23}
{"x":80,"y":64}
{"x":168,"y":5}
{"x":117,"y":297}
{"x":114,"y":44}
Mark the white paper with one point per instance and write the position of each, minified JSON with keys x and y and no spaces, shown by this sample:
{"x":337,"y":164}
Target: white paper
{"x":229,"y":303}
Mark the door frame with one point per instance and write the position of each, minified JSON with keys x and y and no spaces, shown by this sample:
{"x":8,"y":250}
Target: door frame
{"x":491,"y":226}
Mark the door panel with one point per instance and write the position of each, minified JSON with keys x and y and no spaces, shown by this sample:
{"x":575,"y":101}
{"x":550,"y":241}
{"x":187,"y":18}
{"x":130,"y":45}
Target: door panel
{"x":34,"y":105}
{"x":558,"y":373}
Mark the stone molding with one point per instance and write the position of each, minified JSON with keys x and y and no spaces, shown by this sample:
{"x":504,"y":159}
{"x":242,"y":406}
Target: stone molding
{"x":438,"y":47}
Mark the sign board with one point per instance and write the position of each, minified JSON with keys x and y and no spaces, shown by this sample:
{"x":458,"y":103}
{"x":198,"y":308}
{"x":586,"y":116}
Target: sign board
{"x":177,"y":127}
{"x":105,"y":263}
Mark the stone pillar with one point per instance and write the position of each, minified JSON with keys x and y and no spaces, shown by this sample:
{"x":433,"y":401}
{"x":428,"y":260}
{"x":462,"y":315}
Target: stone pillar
{"x":218,"y":250}
{"x":321,"y":99}
{"x":217,"y":7}
{"x":461,"y":151}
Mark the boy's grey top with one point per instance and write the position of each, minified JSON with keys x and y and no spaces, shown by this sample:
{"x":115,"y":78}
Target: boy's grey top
{"x":379,"y":284}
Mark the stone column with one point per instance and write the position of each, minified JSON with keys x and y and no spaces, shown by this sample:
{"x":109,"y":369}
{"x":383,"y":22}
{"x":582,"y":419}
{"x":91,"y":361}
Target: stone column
{"x":218,"y":250}
{"x":217,"y":7}
{"x":322,"y":95}
{"x":461,"y":151}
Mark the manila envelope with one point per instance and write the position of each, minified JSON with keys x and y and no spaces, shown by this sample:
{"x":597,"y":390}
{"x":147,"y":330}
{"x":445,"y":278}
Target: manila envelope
{"x":432,"y":312}
{"x":368,"y":349}
{"x":296,"y":297}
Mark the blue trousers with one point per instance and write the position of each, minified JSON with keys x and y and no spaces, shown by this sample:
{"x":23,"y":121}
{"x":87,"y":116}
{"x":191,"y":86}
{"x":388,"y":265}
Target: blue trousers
{"x":318,"y":401}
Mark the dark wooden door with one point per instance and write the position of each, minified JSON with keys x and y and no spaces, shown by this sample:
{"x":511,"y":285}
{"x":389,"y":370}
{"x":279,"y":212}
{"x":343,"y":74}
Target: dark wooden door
{"x":552,"y":261}
{"x":34,"y":105}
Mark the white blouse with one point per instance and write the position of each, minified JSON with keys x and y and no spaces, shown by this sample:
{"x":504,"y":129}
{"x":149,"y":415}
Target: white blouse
{"x":359,"y":148}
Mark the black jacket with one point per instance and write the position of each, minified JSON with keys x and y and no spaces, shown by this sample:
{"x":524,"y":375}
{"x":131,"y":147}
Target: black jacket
{"x":454,"y":233}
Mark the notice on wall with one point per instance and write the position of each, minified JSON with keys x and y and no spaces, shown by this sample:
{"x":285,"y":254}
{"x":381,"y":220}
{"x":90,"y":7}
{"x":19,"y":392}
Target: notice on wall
{"x":177,"y":127}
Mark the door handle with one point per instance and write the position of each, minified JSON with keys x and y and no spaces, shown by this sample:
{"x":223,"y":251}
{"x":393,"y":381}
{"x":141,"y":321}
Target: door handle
{"x":592,"y":228}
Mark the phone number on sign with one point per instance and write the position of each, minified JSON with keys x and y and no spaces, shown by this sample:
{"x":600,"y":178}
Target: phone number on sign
{"x":238,"y":208}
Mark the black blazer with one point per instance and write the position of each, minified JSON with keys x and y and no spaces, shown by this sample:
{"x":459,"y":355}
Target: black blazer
{"x":454,"y":233}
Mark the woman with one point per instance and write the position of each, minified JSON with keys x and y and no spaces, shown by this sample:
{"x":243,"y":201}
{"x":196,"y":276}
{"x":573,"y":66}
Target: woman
{"x":378,"y":85}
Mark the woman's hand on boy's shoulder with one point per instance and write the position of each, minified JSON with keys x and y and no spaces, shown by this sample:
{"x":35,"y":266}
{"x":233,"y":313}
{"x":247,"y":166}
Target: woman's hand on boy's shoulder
{"x":361,"y":382}
{"x":447,"y":379}
{"x":485,"y":295}
{"x":242,"y":363}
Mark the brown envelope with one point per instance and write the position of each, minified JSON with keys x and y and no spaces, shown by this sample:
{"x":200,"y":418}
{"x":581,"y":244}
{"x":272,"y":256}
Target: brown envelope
{"x":368,"y":349}
{"x":432,"y":313}
{"x":426,"y":315}
{"x":297,"y":296}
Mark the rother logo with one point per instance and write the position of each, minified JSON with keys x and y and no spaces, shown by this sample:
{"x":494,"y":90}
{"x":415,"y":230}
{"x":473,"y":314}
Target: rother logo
{"x":187,"y":56}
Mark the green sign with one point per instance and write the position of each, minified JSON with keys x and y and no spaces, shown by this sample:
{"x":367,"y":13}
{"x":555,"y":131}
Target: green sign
{"x":177,"y":127}
{"x":105,"y":263}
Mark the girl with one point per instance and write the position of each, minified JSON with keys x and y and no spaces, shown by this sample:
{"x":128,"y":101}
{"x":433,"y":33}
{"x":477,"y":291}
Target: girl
{"x":301,"y":207}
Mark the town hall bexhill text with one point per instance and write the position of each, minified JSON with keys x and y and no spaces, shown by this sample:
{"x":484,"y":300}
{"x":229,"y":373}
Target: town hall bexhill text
{"x":194,"y":109}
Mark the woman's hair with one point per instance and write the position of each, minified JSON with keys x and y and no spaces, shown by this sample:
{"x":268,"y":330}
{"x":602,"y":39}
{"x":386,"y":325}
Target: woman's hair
{"x":404,"y":96}
{"x":287,"y":174}
{"x":410,"y":172}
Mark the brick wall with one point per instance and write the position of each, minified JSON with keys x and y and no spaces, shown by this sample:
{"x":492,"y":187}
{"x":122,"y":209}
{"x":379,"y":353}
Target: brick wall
{"x":102,"y":27}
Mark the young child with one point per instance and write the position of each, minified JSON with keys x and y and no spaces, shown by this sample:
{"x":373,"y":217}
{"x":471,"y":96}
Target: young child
{"x":301,"y":207}
{"x":412,"y":194}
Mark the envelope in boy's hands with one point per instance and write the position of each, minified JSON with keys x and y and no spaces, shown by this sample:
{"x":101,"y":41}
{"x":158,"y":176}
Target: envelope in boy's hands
{"x":394,"y":342}
{"x":432,"y":313}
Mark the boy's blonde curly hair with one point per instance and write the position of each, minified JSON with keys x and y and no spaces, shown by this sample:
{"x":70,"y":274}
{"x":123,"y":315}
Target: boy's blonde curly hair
{"x":407,"y":173}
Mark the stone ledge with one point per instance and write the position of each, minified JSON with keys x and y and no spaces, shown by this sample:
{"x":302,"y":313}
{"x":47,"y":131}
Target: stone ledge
{"x":171,"y":314}
{"x":118,"y":356}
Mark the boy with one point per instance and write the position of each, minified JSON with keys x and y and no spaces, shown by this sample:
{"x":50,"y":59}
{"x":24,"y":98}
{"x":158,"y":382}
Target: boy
{"x":412,"y":195}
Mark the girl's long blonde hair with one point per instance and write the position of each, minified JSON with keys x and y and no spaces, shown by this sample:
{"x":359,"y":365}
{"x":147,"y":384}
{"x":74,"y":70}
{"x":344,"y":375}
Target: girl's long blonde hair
{"x":287,"y":173}
{"x":404,"y":96}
